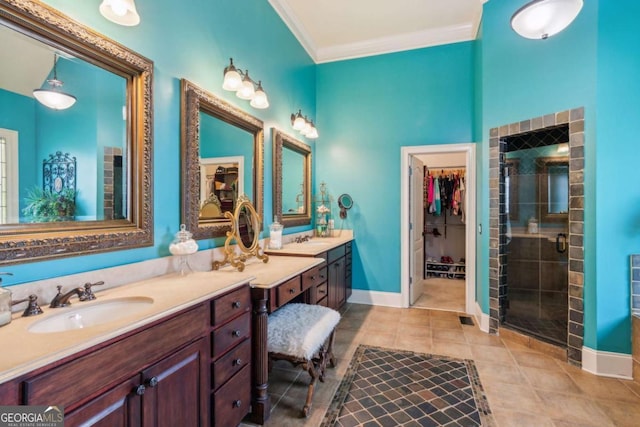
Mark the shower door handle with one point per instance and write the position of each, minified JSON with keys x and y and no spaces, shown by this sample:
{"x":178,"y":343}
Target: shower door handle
{"x":561,"y":243}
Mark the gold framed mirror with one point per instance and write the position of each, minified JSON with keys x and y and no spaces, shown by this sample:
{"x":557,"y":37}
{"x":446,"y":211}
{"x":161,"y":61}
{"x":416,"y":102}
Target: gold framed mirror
{"x":245,"y":230}
{"x":108,"y":130}
{"x":291,"y":179}
{"x":211,"y":129}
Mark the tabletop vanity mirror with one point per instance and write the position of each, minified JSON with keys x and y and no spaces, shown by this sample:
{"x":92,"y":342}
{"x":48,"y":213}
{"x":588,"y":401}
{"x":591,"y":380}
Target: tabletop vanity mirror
{"x":291,"y":179}
{"x":93,"y":150}
{"x":222,"y":158}
{"x":245,"y":231}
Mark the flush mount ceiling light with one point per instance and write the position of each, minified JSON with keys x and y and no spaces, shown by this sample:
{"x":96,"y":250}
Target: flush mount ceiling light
{"x":304,"y":125}
{"x":237,"y":81}
{"x":53,"y":97}
{"x":541,"y":19}
{"x":121,"y":12}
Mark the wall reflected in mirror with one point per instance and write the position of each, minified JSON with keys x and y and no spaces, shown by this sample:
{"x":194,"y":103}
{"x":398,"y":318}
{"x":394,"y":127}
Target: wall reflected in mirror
{"x":291,"y":179}
{"x":222,"y":149}
{"x":106,"y":135}
{"x":93,"y":130}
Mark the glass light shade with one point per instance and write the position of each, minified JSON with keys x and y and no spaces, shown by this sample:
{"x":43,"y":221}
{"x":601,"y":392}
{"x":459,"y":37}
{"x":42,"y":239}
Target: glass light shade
{"x":307,"y":127}
{"x":298,"y":122}
{"x":540,"y":19}
{"x":313,"y":132}
{"x":121,"y":12}
{"x":563,"y":148}
{"x":259,"y":99}
{"x":54,"y":99}
{"x":247,"y":91}
{"x":232,"y":78}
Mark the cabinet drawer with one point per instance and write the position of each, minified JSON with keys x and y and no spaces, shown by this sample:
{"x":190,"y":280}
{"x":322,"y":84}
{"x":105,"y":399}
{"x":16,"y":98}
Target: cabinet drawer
{"x":289,"y":290}
{"x":230,"y":305}
{"x":230,"y":335}
{"x":321,"y":291}
{"x":115,"y":361}
{"x":347,"y":247}
{"x":232,"y":362}
{"x":311,"y":278}
{"x":324,"y":302}
{"x":231,"y":401}
{"x":323,"y":274}
{"x":336,"y":253}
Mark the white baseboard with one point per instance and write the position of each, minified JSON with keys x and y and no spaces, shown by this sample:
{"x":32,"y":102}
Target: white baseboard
{"x":482,"y":319}
{"x":607,"y":364}
{"x":387,"y":299}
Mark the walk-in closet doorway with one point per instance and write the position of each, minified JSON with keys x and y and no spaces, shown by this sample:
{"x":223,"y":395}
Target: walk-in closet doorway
{"x":428,"y":239}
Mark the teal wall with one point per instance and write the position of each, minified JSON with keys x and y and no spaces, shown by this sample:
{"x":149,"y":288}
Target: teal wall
{"x":616,"y":187}
{"x":367,"y":109}
{"x":194,"y":40}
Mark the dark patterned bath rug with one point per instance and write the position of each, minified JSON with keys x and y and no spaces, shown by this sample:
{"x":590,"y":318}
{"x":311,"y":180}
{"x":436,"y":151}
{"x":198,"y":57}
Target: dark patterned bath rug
{"x":385,"y":387}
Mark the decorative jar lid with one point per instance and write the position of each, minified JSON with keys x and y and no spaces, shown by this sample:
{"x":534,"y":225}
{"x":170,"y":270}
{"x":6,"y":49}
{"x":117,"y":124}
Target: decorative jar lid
{"x":183,"y":244}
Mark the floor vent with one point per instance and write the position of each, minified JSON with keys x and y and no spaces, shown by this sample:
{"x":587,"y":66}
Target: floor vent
{"x":466,"y":320}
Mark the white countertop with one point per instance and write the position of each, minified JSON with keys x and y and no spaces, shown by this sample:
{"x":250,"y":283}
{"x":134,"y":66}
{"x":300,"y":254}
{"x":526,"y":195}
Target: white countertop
{"x":315,"y":246}
{"x":23,"y":351}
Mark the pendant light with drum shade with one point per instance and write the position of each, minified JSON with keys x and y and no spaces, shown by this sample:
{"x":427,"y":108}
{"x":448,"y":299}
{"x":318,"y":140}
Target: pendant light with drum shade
{"x":53,"y":97}
{"x":540,"y":19}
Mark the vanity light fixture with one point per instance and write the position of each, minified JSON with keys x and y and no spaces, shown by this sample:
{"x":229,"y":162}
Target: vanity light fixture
{"x":304,"y":125}
{"x":121,"y":12}
{"x":237,"y":81}
{"x":540,"y":19}
{"x":53,"y":97}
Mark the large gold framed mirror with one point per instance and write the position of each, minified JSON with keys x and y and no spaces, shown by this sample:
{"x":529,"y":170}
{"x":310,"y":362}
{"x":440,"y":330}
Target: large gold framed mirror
{"x":215,"y":132}
{"x":245,"y":230}
{"x":103,"y":140}
{"x":291,"y":179}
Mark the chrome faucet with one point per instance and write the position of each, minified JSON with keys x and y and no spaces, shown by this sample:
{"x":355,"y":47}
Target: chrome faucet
{"x":62,"y":300}
{"x":301,"y":239}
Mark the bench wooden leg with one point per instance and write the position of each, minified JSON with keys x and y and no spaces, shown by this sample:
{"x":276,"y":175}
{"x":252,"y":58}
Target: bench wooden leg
{"x":310,"y":366}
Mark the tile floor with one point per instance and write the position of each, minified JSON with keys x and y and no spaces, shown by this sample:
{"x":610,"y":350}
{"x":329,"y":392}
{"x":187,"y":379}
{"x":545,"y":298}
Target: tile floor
{"x":442,"y":294}
{"x":524,"y":387}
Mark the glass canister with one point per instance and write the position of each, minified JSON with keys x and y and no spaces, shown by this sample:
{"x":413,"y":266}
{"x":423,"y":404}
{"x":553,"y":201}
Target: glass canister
{"x":182,"y":246}
{"x":275,"y":234}
{"x":5,"y":306}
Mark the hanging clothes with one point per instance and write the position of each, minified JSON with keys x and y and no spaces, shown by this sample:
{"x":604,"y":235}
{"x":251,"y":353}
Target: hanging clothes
{"x":462,"y":206}
{"x":436,"y":197}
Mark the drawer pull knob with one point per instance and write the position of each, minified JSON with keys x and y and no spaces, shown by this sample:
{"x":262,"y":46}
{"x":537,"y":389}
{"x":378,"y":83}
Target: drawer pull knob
{"x":321,"y":291}
{"x":292,"y":291}
{"x":237,"y":403}
{"x":236,"y":333}
{"x":313,"y":277}
{"x":153,"y":382}
{"x":236,"y":304}
{"x":140,"y":390}
{"x":237,"y":362}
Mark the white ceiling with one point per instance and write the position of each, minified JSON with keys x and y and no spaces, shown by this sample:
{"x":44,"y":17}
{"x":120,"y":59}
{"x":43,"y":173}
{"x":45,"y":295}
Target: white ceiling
{"x":332,"y":30}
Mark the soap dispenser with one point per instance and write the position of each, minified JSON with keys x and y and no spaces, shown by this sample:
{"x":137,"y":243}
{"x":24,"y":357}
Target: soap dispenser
{"x":5,"y":303}
{"x":275,"y":234}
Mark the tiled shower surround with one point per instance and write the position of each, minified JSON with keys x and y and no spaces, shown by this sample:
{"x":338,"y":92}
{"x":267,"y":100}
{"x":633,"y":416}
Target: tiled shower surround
{"x":498,"y":222}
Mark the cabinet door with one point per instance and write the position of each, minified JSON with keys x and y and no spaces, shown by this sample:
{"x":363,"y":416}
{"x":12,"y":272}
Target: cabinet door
{"x":118,"y":407}
{"x":337,"y":285}
{"x":177,"y":388}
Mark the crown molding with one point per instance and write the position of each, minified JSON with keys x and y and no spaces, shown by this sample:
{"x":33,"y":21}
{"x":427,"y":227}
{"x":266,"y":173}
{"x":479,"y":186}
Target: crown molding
{"x":397,"y":43}
{"x":296,"y":26}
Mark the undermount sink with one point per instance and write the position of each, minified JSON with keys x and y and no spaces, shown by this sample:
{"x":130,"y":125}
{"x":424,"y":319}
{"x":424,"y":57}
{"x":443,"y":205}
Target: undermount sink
{"x":97,"y":313}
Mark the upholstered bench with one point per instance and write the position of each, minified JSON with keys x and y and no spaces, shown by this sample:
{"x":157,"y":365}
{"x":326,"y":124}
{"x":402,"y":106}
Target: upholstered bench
{"x":303,"y":335}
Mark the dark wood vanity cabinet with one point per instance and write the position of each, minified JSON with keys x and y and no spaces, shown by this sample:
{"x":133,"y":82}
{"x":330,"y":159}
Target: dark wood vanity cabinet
{"x":191,"y":368}
{"x":338,"y":275}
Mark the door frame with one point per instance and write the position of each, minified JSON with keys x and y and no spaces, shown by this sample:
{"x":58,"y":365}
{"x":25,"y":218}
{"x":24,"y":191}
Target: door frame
{"x":469,"y":149}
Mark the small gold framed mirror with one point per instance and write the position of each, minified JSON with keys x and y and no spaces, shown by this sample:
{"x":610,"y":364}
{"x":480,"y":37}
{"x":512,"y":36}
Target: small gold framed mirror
{"x":245,"y":230}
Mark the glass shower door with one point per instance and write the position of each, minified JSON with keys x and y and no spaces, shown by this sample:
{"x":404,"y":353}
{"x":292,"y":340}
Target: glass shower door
{"x":537,"y":205}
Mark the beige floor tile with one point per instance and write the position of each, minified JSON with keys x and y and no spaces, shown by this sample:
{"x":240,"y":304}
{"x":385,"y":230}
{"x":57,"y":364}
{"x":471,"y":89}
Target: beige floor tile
{"x":554,"y":380}
{"x":455,"y":335}
{"x":417,"y":331}
{"x":623,"y":414}
{"x":534,"y":359}
{"x":604,"y":388}
{"x":492,"y":354}
{"x":513,"y":397}
{"x":476,"y":336}
{"x":506,"y":418}
{"x":452,"y":349}
{"x":445,"y":323}
{"x":576,"y":409}
{"x":499,"y":372}
{"x":419,"y":345}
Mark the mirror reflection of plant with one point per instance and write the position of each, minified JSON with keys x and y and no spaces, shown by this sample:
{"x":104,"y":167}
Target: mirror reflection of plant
{"x":50,"y":206}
